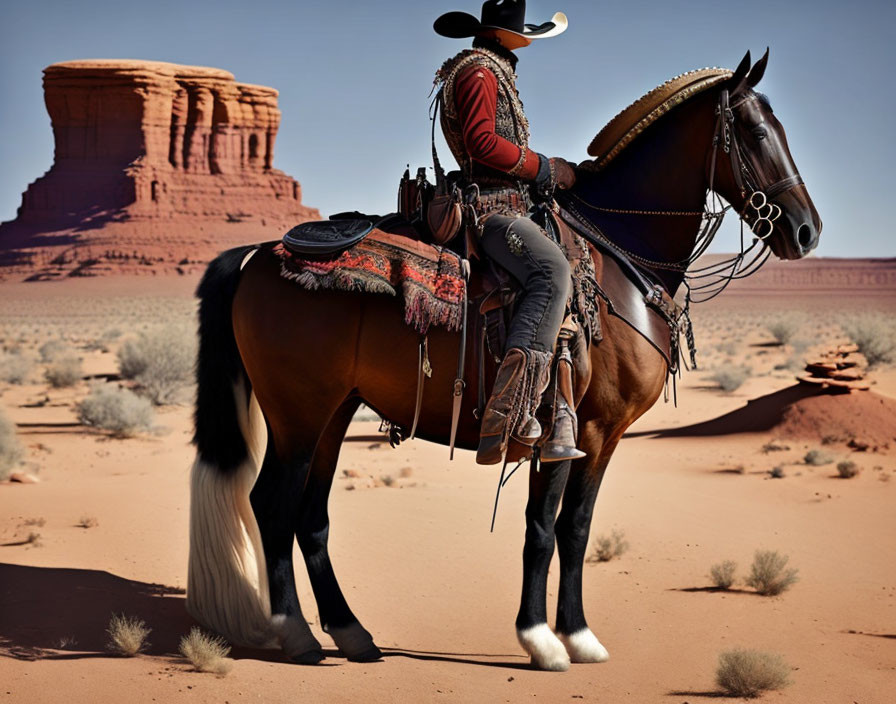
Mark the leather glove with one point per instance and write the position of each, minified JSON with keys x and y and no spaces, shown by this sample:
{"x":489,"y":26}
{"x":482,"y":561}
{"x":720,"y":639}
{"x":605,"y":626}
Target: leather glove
{"x":564,"y":175}
{"x":553,"y":173}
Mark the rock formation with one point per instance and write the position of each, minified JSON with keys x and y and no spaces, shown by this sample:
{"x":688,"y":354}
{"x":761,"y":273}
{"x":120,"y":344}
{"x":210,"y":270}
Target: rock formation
{"x":836,"y":371}
{"x":157,"y":167}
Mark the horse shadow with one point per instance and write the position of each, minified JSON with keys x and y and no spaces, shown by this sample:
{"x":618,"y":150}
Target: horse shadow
{"x":53,"y":613}
{"x":63,"y":613}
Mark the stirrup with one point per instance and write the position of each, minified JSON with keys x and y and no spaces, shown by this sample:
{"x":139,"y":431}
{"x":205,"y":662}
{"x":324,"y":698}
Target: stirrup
{"x":561,"y":442}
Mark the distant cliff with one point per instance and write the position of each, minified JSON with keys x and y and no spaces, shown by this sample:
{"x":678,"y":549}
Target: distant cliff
{"x":157,"y":168}
{"x":819,"y":275}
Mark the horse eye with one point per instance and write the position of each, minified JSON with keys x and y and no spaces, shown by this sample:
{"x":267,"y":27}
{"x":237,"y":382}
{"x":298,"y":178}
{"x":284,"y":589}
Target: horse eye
{"x":760,"y":133}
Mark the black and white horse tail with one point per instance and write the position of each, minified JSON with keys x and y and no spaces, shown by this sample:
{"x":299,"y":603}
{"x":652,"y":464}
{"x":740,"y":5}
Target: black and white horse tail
{"x":227,"y":586}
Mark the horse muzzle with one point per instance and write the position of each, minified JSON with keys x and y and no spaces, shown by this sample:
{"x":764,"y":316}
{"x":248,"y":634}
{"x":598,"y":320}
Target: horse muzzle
{"x":798,"y":228}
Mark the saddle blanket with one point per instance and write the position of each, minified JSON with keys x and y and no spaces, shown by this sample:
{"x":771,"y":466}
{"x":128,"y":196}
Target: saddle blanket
{"x":430,"y":279}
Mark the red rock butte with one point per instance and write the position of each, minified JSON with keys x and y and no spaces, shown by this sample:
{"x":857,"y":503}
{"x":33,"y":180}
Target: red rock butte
{"x":157,"y":168}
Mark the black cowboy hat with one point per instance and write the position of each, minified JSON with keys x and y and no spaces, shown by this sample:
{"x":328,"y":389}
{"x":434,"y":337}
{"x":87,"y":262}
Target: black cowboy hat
{"x":498,"y":14}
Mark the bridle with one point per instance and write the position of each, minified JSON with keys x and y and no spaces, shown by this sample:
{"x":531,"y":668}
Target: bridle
{"x":756,"y":199}
{"x":758,"y":212}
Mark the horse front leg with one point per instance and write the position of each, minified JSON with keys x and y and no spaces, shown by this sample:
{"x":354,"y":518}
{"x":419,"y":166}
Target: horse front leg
{"x":573,"y":528}
{"x":545,"y":489}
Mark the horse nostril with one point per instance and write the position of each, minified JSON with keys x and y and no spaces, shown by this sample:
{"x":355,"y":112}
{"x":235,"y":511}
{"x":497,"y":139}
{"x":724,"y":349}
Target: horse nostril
{"x":804,"y":235}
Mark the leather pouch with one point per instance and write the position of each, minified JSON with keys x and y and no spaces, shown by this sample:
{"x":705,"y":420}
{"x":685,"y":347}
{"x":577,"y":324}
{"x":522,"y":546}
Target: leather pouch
{"x":444,"y":216}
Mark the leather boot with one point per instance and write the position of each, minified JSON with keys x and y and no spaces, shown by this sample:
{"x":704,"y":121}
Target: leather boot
{"x":528,"y":430}
{"x":494,"y":431}
{"x":561,"y":442}
{"x":519,"y":384}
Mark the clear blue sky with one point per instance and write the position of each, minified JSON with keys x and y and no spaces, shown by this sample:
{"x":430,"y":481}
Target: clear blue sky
{"x":354,"y":78}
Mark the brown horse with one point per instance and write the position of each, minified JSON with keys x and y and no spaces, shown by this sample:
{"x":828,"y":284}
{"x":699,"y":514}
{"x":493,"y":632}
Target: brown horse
{"x":282,"y":371}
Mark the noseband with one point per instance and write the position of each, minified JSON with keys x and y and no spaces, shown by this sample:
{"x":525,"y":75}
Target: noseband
{"x":758,"y":210}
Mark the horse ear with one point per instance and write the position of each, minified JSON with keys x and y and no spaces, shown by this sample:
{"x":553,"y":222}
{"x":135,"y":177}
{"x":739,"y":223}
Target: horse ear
{"x":740,"y":73}
{"x":758,"y":71}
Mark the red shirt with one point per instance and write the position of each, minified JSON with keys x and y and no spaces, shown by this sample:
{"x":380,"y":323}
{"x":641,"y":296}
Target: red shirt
{"x":476,"y":98}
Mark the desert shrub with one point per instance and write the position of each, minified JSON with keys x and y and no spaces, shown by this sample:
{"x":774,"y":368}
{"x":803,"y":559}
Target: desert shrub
{"x":161,"y":362}
{"x":52,"y":350}
{"x":14,"y":367}
{"x":127,"y":635}
{"x":722,"y":574}
{"x":874,"y":336}
{"x":817,"y":458}
{"x":206,"y":653}
{"x":119,"y":410}
{"x":776,"y":473}
{"x":769,"y":574}
{"x":833,"y":439}
{"x":748,"y":673}
{"x":132,"y":357}
{"x":87,"y":522}
{"x":64,"y":371}
{"x":10,"y":447}
{"x":730,"y":377}
{"x":783,"y":328}
{"x":608,"y":547}
{"x":774,"y":446}
{"x":847,"y":469}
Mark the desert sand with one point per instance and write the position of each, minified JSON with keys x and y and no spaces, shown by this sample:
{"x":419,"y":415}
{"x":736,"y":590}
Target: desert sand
{"x":411,"y":544}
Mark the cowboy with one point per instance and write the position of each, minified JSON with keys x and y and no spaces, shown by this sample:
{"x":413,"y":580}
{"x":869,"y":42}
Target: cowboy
{"x":487,"y":131}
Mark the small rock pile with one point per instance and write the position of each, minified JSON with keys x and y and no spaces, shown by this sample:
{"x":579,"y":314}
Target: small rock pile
{"x":836,"y":370}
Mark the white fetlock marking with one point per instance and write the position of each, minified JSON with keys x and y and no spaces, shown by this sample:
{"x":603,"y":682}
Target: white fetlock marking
{"x":353,"y":640}
{"x":294,"y":634}
{"x":545,"y":649}
{"x":583,"y":646}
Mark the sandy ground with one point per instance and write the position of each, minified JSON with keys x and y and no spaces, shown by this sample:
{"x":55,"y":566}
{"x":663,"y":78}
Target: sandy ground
{"x":417,"y":561}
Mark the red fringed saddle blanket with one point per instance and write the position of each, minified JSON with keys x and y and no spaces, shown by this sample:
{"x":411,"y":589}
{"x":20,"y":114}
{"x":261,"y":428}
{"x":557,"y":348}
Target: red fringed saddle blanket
{"x":429,"y":278}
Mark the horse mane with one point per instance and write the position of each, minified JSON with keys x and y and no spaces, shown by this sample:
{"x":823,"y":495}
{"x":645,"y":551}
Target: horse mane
{"x":633,"y":120}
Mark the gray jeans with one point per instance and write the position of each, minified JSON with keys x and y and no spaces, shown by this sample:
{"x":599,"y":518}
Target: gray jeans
{"x":541,"y":269}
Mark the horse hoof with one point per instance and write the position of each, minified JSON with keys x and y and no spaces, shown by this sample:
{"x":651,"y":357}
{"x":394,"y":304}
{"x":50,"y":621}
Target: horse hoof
{"x":583,"y":646}
{"x":296,"y":639}
{"x":545,"y":649}
{"x":372,"y":654}
{"x":312,"y":657}
{"x":355,"y":642}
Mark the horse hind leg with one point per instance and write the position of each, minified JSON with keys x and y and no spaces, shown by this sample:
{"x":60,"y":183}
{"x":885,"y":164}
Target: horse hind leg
{"x":274,"y":498}
{"x":312,"y":531}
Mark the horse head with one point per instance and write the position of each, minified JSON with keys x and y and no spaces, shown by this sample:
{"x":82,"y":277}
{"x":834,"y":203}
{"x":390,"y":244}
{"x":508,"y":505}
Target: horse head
{"x":760,"y":179}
